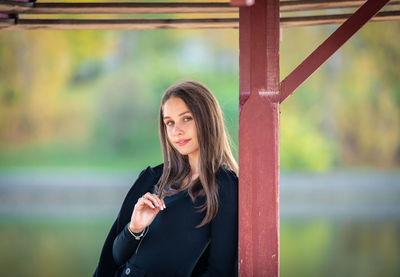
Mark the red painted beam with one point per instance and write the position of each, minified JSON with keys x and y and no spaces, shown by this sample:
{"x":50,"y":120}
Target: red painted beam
{"x":259,"y":139}
{"x":242,"y":3}
{"x":330,"y":46}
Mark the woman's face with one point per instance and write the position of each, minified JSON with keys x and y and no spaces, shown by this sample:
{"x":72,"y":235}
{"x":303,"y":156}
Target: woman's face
{"x":181,"y":127}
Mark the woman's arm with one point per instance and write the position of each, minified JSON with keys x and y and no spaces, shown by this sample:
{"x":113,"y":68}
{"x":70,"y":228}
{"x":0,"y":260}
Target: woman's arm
{"x":147,"y":178}
{"x":224,"y":230}
{"x":124,"y":246}
{"x":144,"y":212}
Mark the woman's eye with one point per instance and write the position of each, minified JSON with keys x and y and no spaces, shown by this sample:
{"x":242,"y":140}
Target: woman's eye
{"x":169,"y":123}
{"x":187,"y":118}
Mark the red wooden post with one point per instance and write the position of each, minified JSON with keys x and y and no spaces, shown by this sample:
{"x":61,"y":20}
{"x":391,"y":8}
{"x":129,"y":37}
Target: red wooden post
{"x":259,"y":139}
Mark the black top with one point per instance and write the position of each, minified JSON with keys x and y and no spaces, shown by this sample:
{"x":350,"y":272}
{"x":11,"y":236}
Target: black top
{"x":173,"y":246}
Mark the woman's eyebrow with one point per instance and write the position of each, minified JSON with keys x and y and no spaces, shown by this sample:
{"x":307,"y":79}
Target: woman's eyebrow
{"x":165,"y":117}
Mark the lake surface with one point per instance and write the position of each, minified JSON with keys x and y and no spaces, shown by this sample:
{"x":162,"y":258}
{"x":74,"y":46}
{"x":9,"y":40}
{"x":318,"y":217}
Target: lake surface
{"x":342,"y":194}
{"x":344,"y":223}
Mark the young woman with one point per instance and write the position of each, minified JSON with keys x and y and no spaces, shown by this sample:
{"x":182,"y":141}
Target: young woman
{"x":180,"y":217}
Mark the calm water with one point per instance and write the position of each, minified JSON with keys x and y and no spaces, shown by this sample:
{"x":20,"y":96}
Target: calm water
{"x":333,"y":224}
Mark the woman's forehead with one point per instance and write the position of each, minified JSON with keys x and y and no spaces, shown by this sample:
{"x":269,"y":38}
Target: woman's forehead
{"x":175,"y":107}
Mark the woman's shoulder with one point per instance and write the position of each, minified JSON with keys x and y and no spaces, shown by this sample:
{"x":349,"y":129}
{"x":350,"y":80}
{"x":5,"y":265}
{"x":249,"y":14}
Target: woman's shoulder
{"x":152,"y":171}
{"x":227,"y":180}
{"x":147,"y":177}
{"x":225,"y":173}
{"x":228,"y":187}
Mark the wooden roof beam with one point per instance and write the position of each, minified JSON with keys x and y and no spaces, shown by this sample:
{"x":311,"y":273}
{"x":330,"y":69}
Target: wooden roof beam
{"x":141,"y":24}
{"x":116,"y":7}
{"x":118,"y":24}
{"x":308,"y":5}
{"x":300,"y":21}
{"x":13,"y":7}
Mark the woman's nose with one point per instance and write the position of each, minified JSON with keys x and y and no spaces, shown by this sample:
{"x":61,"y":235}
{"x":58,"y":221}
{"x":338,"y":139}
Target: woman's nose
{"x":178,"y":130}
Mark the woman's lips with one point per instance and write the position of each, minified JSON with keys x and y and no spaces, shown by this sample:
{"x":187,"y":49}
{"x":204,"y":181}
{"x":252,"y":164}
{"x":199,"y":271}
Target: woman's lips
{"x":182,"y":142}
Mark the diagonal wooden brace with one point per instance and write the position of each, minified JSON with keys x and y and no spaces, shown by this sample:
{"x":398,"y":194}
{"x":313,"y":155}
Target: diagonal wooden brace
{"x":329,"y":47}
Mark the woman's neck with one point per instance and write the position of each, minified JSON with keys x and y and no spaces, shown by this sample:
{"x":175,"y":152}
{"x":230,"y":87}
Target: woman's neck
{"x":194,"y":162}
{"x":194,"y":171}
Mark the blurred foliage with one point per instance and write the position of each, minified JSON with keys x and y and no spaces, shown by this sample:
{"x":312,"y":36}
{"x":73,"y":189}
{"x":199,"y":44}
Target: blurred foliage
{"x":373,"y":135}
{"x":349,"y":107}
{"x":73,"y":98}
{"x":303,"y":146}
{"x":36,"y":66}
{"x":104,"y":106}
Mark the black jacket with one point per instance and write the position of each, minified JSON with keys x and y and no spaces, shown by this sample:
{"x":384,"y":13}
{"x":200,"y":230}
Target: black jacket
{"x":145,"y":183}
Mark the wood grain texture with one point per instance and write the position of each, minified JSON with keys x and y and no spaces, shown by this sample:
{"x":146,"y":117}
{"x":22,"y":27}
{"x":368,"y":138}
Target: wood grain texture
{"x":309,"y":5}
{"x":119,"y":24}
{"x":142,"y":24}
{"x":300,"y":21}
{"x":117,"y":7}
{"x":259,"y":139}
{"x":7,"y":6}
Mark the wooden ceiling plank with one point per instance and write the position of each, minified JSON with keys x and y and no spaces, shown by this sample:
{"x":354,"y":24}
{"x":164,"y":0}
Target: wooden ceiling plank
{"x":300,"y":21}
{"x":134,"y":24}
{"x":12,"y":7}
{"x":308,"y":5}
{"x":122,"y":8}
{"x":121,"y":24}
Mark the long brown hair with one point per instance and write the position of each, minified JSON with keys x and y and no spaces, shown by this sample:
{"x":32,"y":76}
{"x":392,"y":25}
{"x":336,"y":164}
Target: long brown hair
{"x":214,"y":147}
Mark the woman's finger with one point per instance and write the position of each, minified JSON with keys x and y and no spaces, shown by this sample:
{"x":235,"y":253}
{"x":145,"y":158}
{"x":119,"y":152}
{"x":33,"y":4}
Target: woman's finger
{"x":147,"y":202}
{"x":156,"y":200}
{"x":161,"y":201}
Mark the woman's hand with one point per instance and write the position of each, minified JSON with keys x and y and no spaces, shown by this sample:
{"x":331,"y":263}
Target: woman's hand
{"x":145,"y":211}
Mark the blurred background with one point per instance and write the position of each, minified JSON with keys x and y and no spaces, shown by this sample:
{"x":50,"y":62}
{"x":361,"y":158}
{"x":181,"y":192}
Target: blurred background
{"x":78,"y":122}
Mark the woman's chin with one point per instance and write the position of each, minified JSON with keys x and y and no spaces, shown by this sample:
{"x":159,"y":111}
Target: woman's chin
{"x":183,"y":153}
